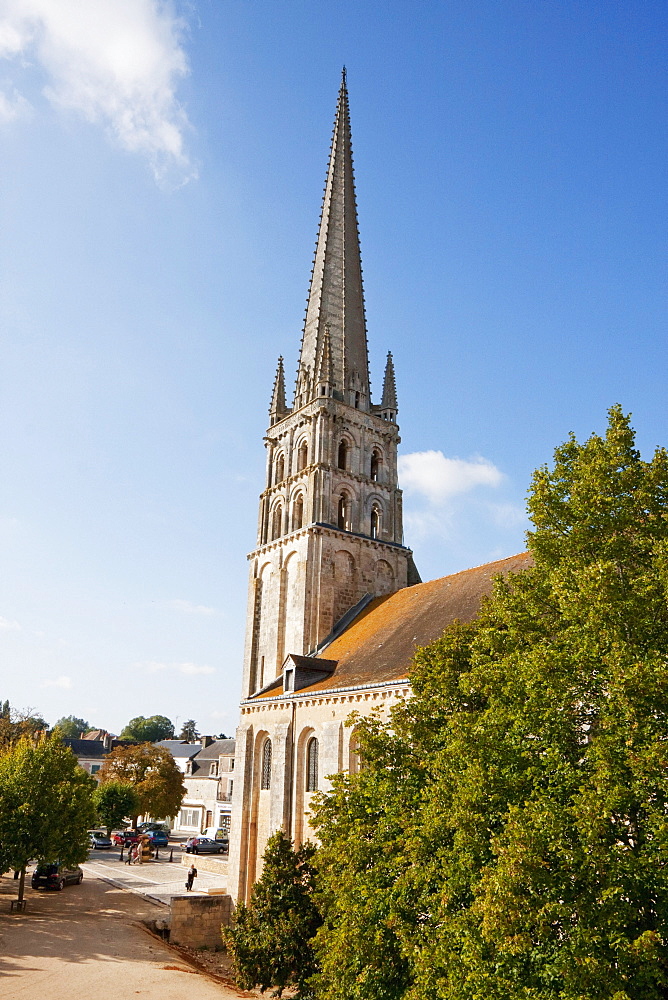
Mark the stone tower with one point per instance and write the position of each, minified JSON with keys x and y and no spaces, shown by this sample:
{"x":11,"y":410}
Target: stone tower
{"x":330,"y":520}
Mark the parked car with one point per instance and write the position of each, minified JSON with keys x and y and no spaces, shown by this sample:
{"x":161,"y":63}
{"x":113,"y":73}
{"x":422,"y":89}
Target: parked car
{"x":157,"y":837}
{"x":100,"y":842}
{"x":147,"y":827}
{"x":204,"y":845}
{"x":55,"y":876}
{"x":123,"y":838}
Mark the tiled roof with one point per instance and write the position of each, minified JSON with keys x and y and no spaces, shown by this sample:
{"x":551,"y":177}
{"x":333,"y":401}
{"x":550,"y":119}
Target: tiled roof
{"x":179,"y":748}
{"x":378,"y":645}
{"x":215,"y":749}
{"x":86,"y":748}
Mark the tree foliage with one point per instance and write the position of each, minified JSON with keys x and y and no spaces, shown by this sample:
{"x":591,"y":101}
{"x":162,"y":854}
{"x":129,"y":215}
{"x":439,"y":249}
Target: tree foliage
{"x":152,"y":773}
{"x":46,"y":805}
{"x":189,"y":731}
{"x":16,"y":725}
{"x":507,"y":838}
{"x":114,"y":801}
{"x":151,"y":730}
{"x":270,"y":942}
{"x":71,"y":727}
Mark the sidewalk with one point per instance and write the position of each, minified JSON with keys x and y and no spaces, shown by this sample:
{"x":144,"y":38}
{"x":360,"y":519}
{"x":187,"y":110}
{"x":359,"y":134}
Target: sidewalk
{"x":89,"y":941}
{"x":155,"y":880}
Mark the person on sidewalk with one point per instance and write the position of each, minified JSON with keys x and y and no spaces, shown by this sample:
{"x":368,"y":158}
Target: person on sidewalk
{"x":192,"y":875}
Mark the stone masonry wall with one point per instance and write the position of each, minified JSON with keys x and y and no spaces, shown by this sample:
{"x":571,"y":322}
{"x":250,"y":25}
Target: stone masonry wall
{"x":214,"y":863}
{"x":196,"y":920}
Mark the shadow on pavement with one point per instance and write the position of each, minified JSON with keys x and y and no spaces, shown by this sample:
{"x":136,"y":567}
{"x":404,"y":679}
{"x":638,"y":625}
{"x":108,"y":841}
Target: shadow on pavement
{"x":87,"y":922}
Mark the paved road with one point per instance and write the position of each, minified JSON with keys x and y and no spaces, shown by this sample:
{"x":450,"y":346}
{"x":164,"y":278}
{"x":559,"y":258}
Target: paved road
{"x":87,"y":941}
{"x":157,"y":880}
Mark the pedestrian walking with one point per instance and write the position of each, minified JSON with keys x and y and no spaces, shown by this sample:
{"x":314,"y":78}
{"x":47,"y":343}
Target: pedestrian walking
{"x":192,"y":875}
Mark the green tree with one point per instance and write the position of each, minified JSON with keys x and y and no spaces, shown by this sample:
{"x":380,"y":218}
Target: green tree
{"x":151,"y":730}
{"x":271,"y":940}
{"x":71,"y":727}
{"x":46,"y":806}
{"x":189,"y":731}
{"x":152,"y":773}
{"x":16,"y":725}
{"x":508,"y":835}
{"x":114,"y":801}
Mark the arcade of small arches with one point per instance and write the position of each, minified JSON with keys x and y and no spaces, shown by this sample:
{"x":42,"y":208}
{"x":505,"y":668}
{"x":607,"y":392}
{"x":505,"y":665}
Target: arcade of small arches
{"x":287,"y":516}
{"x":373,"y":465}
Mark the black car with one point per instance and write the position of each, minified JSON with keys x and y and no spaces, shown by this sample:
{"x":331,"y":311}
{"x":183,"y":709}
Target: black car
{"x":55,"y":876}
{"x":204,"y":845}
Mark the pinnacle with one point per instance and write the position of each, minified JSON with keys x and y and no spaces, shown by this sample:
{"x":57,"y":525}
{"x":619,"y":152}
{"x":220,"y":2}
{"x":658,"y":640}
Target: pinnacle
{"x":278,"y":408}
{"x":389,"y":385}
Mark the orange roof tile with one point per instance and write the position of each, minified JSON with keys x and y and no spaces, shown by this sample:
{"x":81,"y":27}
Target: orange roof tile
{"x":380,"y":642}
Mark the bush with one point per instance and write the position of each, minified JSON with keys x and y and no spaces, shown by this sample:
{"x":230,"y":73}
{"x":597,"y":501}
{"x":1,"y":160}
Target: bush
{"x":270,"y":942}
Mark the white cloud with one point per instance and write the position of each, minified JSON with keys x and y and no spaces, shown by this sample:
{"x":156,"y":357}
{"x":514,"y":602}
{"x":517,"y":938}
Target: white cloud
{"x":115,"y":62}
{"x":190,"y":669}
{"x":438,"y":477}
{"x":60,"y":682}
{"x":194,"y":668}
{"x":13,"y":107}
{"x":508,"y":515}
{"x":7,"y":625}
{"x":188,"y":608}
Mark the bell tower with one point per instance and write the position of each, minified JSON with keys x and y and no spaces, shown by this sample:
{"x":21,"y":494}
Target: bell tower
{"x":330,"y":531}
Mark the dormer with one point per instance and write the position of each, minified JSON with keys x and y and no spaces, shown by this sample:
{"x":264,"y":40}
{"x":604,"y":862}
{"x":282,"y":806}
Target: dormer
{"x":302,"y":671}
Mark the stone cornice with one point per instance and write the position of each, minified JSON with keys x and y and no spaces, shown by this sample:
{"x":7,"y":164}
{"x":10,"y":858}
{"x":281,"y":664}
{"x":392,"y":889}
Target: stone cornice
{"x":323,"y":693}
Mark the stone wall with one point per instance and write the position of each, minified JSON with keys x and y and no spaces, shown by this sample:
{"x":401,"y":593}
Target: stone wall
{"x":196,"y":920}
{"x":213,"y":863}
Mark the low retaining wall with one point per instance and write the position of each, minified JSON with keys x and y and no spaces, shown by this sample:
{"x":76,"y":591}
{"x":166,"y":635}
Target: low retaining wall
{"x":212,"y":863}
{"x":196,"y":920}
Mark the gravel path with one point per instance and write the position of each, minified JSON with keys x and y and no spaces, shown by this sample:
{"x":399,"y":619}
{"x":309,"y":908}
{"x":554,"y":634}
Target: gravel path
{"x":88,"y":941}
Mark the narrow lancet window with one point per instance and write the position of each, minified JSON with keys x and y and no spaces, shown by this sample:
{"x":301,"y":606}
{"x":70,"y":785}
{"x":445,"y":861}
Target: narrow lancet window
{"x":298,"y":512}
{"x":277,"y":522}
{"x":312,"y":765}
{"x":342,"y":459}
{"x":265,"y":778}
{"x":375,"y":522}
{"x":343,"y":513}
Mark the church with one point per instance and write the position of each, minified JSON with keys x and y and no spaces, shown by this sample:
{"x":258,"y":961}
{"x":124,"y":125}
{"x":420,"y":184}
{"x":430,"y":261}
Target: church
{"x":336,"y":607}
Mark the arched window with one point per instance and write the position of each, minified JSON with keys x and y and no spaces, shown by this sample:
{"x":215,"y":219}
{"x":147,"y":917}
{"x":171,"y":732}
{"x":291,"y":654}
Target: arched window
{"x":280,"y":469}
{"x":376,"y":460}
{"x":302,"y":456}
{"x":343,"y":513}
{"x":298,"y":512}
{"x":375,"y":522}
{"x":277,"y":522}
{"x":312,"y":765}
{"x":265,"y":777}
{"x":342,"y":459}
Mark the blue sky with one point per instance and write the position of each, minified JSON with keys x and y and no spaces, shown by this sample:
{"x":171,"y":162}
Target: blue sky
{"x":161,"y":174}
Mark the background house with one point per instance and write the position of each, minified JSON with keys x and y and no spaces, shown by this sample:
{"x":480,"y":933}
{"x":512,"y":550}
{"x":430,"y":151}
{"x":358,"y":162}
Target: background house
{"x":208,"y":769}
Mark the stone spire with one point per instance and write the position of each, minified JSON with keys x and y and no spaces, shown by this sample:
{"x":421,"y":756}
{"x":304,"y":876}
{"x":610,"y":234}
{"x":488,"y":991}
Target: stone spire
{"x":389,"y":386}
{"x":336,"y":298}
{"x":278,"y":407}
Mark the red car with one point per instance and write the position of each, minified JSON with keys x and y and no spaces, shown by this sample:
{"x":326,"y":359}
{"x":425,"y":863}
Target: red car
{"x":125,"y":837}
